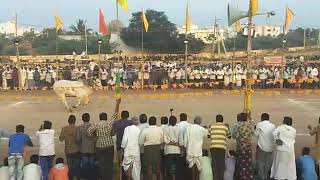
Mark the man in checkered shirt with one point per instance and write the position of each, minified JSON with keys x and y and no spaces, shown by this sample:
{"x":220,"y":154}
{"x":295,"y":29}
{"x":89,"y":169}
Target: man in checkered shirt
{"x":102,"y":130}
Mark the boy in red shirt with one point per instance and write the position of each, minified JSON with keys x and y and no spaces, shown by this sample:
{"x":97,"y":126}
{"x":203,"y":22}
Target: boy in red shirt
{"x":60,"y":171}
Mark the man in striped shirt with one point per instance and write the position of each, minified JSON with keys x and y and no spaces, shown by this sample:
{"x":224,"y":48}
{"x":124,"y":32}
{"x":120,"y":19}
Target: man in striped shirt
{"x":219,"y":133}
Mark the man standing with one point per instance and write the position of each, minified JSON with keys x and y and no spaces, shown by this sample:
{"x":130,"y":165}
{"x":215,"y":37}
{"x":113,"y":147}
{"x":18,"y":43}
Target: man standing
{"x":219,"y":133}
{"x":46,"y":148}
{"x":316,"y":132}
{"x":193,"y":144}
{"x":172,"y":150}
{"x":152,"y":138}
{"x":68,"y":135}
{"x":284,"y":165}
{"x":87,"y":148}
{"x":183,"y":125}
{"x":17,"y":143}
{"x":131,"y":157}
{"x":263,"y":132}
{"x":104,"y":144}
{"x":118,"y":128}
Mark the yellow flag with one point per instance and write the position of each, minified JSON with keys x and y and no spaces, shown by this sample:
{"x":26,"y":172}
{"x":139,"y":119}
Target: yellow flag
{"x":124,"y":4}
{"x":238,"y":26}
{"x":59,"y":23}
{"x":145,"y":21}
{"x":289,"y":19}
{"x":254,"y":7}
{"x":188,"y":19}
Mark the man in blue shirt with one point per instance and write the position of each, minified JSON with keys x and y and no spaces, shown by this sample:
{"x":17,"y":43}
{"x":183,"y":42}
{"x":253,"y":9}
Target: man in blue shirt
{"x":306,"y":166}
{"x":17,"y":143}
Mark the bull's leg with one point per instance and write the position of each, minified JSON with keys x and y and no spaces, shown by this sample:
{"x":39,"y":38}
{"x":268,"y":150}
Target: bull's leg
{"x":79,"y":102}
{"x":64,"y":100}
{"x":86,"y":100}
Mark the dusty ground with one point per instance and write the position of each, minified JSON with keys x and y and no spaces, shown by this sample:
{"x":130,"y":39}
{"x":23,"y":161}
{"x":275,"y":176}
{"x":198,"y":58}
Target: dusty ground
{"x":32,"y":108}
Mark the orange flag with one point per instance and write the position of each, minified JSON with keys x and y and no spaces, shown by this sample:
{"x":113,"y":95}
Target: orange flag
{"x":103,"y":28}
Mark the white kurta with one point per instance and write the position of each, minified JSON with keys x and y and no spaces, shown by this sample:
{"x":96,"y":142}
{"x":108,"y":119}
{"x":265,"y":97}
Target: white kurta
{"x":130,"y":143}
{"x":284,"y":164}
{"x":194,"y":141}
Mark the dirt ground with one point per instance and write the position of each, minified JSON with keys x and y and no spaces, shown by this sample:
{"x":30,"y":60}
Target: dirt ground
{"x":32,"y":108}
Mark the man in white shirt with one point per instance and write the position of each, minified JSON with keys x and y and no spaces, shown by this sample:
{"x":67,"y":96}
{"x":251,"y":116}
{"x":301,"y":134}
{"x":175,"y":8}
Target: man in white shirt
{"x":152,"y":138}
{"x":22,"y":78}
{"x":182,"y":125}
{"x":131,"y":157}
{"x":46,"y":148}
{"x":263,"y":77}
{"x":4,"y":170}
{"x":171,"y":148}
{"x":284,"y":164}
{"x":32,"y":171}
{"x":263,"y":132}
{"x":193,"y":144}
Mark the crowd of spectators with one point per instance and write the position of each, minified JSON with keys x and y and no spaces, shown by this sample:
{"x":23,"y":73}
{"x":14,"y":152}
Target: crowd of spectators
{"x":162,"y":75}
{"x":172,"y":150}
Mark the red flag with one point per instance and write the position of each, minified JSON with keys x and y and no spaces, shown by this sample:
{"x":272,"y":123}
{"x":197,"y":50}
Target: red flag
{"x":103,"y":28}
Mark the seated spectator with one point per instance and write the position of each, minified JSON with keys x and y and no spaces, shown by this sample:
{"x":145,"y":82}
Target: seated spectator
{"x":306,"y":166}
{"x":32,"y":171}
{"x":230,"y":165}
{"x":60,"y":171}
{"x":4,"y":170}
{"x":206,"y":169}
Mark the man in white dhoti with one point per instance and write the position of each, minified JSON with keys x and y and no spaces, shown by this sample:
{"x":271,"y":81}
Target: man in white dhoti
{"x":130,"y":143}
{"x":284,"y":164}
{"x":22,"y":78}
{"x":193,"y":144}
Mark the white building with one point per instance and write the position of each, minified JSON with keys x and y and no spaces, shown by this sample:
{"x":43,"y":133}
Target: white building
{"x":264,"y":31}
{"x":267,"y":30}
{"x":69,"y":37}
{"x":204,"y":32}
{"x":9,"y":28}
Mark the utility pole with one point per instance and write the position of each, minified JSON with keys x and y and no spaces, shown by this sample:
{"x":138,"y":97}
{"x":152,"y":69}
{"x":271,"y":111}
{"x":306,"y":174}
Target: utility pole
{"x":86,"y":36}
{"x":304,"y":38}
{"x":214,"y":34}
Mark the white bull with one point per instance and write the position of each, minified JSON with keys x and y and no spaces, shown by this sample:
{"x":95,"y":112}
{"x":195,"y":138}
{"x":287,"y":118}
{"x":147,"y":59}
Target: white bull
{"x":76,"y":89}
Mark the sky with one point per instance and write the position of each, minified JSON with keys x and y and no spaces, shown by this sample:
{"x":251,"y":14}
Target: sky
{"x":41,"y":12}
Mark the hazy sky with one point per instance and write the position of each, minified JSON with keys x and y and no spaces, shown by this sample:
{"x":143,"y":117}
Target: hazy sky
{"x":41,"y":12}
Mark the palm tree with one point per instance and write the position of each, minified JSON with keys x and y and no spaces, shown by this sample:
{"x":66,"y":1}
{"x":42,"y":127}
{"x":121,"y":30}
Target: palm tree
{"x":80,"y":27}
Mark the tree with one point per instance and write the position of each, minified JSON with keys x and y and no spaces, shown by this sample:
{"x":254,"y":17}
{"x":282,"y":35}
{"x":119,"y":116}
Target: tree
{"x":80,"y":27}
{"x":162,"y":36}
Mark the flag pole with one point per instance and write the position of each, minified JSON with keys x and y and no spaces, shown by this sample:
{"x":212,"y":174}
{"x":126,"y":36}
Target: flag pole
{"x":142,"y":79}
{"x":57,"y":61}
{"x":118,"y":90}
{"x":186,"y":43}
{"x":142,"y":33}
{"x":248,"y":91}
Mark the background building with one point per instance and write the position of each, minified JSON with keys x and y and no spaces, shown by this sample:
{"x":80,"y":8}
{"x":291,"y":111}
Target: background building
{"x":264,"y":31}
{"x":204,"y":33}
{"x":9,"y":28}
